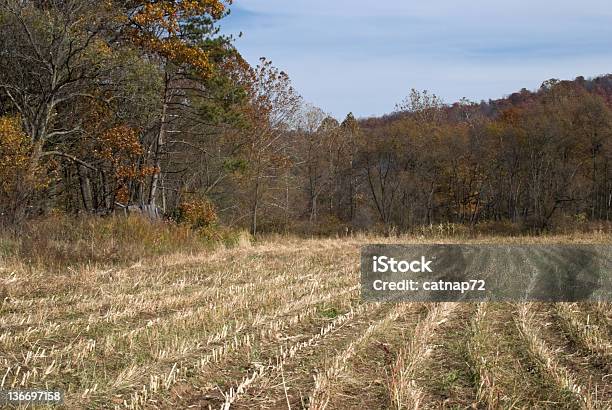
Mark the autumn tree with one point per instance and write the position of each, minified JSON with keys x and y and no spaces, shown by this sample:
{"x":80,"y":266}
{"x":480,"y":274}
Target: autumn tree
{"x":19,"y":181}
{"x":183,"y":36}
{"x":54,"y":56}
{"x":315,"y":130}
{"x":266,"y":147}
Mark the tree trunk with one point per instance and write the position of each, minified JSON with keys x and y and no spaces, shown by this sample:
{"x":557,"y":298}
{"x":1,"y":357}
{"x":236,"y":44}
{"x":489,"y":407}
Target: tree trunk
{"x":155,"y":180}
{"x":254,"y":209}
{"x":85,"y":189}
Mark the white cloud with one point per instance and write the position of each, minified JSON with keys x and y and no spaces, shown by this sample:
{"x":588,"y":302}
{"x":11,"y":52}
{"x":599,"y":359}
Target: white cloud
{"x":364,"y":56}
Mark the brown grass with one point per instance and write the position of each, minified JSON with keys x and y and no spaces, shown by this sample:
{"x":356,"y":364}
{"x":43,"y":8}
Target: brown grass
{"x":58,"y":241}
{"x":233,"y":326}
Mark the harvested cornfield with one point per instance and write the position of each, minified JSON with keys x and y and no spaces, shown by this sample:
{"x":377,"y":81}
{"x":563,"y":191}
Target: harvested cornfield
{"x":281,"y":325}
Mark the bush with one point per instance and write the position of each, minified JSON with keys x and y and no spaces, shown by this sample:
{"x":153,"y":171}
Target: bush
{"x":200,"y":215}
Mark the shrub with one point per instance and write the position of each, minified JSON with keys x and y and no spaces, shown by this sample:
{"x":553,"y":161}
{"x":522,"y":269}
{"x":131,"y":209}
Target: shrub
{"x":200,"y":215}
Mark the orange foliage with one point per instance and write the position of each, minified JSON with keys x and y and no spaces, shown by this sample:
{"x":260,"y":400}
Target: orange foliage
{"x":169,"y":13}
{"x":200,"y":215}
{"x":165,"y":17}
{"x":15,"y":146}
{"x":510,"y":116}
{"x":15,"y":157}
{"x":121,"y":147}
{"x":121,"y":140}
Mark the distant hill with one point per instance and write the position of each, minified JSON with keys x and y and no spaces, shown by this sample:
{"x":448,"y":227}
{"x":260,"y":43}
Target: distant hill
{"x":601,"y":85}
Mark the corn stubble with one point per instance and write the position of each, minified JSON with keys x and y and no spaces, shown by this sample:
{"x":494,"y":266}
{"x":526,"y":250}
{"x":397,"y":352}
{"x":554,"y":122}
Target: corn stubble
{"x":280,"y":325}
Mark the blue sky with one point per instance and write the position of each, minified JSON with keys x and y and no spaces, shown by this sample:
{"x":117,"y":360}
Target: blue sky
{"x":364,"y":56}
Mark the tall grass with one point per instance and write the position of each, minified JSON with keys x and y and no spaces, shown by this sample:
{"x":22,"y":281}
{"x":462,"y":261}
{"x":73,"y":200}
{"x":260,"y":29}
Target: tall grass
{"x":58,"y":240}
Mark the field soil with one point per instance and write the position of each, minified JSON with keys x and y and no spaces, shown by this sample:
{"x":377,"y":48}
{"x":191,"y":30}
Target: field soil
{"x":281,"y":325}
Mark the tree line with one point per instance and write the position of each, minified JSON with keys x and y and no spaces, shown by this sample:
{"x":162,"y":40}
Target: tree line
{"x":146,"y":106}
{"x":535,"y":160}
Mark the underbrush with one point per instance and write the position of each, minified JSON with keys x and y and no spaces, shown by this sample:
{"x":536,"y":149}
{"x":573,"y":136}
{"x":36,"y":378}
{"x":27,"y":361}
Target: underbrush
{"x":60,"y":240}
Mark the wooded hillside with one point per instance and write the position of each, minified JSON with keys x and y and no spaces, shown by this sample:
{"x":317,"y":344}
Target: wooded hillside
{"x":145,"y":105}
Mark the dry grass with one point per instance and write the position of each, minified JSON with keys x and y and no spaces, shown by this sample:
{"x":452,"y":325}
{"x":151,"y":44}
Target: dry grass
{"x":327,"y":378}
{"x":546,"y":358}
{"x":272,"y":324}
{"x":487,"y":393}
{"x":57,"y":241}
{"x":404,"y":391}
{"x":585,"y":329}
